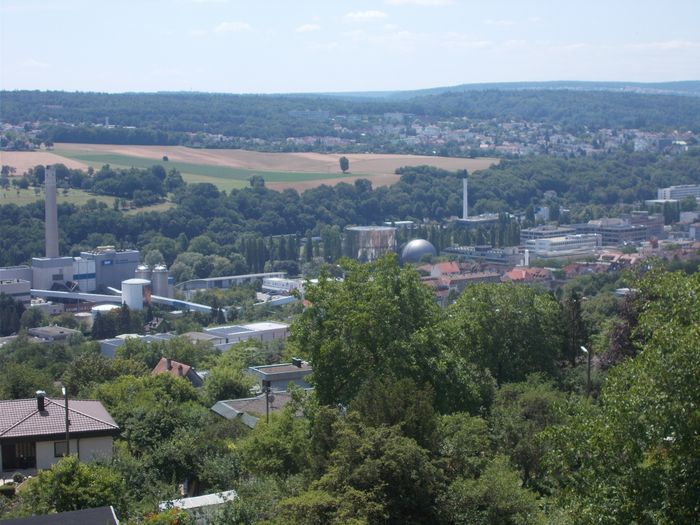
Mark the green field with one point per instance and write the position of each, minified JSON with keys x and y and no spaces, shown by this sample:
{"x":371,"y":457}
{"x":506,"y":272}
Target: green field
{"x":77,"y":197}
{"x":224,"y":177}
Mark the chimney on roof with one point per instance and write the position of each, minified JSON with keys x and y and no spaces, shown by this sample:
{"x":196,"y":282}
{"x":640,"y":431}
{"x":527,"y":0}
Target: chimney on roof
{"x":168,"y":364}
{"x":179,"y":371}
{"x":40,"y":405}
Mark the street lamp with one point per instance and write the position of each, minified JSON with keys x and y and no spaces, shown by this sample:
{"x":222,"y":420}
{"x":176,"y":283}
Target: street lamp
{"x":588,"y":375}
{"x":64,"y":390}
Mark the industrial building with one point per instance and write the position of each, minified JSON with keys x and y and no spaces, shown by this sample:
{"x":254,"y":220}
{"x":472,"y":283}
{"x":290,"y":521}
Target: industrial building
{"x":509,"y":256}
{"x":568,"y":246}
{"x":279,"y":285}
{"x":485,"y":219}
{"x":111,"y":266}
{"x":18,"y":289}
{"x":369,"y":243}
{"x":99,"y":269}
{"x":679,"y":192}
{"x":546,"y":231}
{"x":614,"y":232}
{"x":230,"y":335}
{"x":191,"y":286}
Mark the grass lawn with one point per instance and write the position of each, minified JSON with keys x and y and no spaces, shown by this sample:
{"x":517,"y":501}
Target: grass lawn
{"x":22,"y":197}
{"x":224,"y":177}
{"x":77,"y":197}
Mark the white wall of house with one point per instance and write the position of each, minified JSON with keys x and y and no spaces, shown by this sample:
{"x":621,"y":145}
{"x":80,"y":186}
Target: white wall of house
{"x":89,"y":449}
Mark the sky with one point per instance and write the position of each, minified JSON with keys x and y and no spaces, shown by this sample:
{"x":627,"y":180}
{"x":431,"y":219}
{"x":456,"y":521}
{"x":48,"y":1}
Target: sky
{"x":288,"y":46}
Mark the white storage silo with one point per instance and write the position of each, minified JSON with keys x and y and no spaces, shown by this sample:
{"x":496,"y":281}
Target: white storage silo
{"x":102,"y":309}
{"x":135,"y":292}
{"x":143,"y":271}
{"x":159,"y":280}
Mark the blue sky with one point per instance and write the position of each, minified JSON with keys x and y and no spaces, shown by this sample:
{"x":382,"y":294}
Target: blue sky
{"x":241,"y":46}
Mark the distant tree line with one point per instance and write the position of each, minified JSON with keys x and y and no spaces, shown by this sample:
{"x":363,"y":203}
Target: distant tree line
{"x":171,"y":118}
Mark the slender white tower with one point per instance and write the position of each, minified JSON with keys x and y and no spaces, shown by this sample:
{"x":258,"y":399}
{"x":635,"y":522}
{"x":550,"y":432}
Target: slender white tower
{"x":465,"y":194}
{"x":50,"y":213}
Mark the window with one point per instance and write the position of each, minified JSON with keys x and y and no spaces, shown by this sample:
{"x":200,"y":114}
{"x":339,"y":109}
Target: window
{"x":59,"y":449}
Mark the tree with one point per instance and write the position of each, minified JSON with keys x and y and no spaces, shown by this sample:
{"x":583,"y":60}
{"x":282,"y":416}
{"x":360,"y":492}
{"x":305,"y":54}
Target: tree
{"x":73,"y":485}
{"x":512,"y":330}
{"x":226,"y":382}
{"x":633,"y":458}
{"x":11,"y":312}
{"x":360,"y":327}
{"x":34,"y":317}
{"x":344,"y":164}
{"x":495,"y":498}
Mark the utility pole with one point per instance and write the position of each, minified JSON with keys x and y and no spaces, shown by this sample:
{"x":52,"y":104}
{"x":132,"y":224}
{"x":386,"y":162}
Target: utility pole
{"x":588,"y":374}
{"x":65,"y":397}
{"x":266,"y":386}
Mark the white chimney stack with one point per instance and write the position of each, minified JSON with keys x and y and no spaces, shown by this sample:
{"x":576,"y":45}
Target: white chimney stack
{"x":465,"y":194}
{"x":50,"y":213}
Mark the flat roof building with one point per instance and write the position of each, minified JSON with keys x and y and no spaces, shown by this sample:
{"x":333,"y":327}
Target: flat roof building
{"x":567,"y":246}
{"x":112,"y":266}
{"x":18,"y":289}
{"x":546,"y":231}
{"x":278,"y":377}
{"x":614,"y":232}
{"x":263,"y":331}
{"x":679,"y":192}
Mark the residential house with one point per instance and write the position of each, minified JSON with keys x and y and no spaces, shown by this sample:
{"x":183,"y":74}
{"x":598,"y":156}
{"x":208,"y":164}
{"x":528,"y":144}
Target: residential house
{"x":249,"y":410}
{"x":527,"y":275}
{"x":278,"y":377}
{"x":177,"y":369}
{"x":33,"y":431}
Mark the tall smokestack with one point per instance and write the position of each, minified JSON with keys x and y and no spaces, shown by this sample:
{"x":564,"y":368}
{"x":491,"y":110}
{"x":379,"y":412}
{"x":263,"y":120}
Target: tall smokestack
{"x":51,"y":213}
{"x":465,"y":194}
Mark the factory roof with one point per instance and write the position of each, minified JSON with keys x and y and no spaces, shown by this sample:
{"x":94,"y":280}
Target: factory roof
{"x":370,"y":228}
{"x":53,"y":332}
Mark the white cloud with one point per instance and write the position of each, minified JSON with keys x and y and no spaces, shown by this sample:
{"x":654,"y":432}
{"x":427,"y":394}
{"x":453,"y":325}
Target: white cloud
{"x":500,"y":23}
{"x":232,"y":27}
{"x":307,"y":28}
{"x":669,"y":45}
{"x":419,"y":2}
{"x":32,"y":63}
{"x":463,"y":41}
{"x":365,"y":16}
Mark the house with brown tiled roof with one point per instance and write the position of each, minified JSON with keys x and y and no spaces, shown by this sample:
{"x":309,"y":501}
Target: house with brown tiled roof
{"x":33,"y":432}
{"x":444,"y":268}
{"x":527,"y":275}
{"x":176,"y":369}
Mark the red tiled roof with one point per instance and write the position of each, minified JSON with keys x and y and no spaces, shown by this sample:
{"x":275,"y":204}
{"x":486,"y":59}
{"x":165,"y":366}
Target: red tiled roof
{"x":448,"y":267}
{"x":527,"y":274}
{"x":21,"y":417}
{"x":162,"y":368}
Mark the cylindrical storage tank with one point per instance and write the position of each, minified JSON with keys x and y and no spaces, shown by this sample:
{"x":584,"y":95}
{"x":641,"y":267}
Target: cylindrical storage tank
{"x":368,"y":243}
{"x":102,"y":309}
{"x":143,"y":271}
{"x":159,"y":280}
{"x":135,"y":292}
{"x":84,"y":319}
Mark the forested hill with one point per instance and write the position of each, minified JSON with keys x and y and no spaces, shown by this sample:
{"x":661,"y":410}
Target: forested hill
{"x":280,"y":116}
{"x":686,"y":87}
